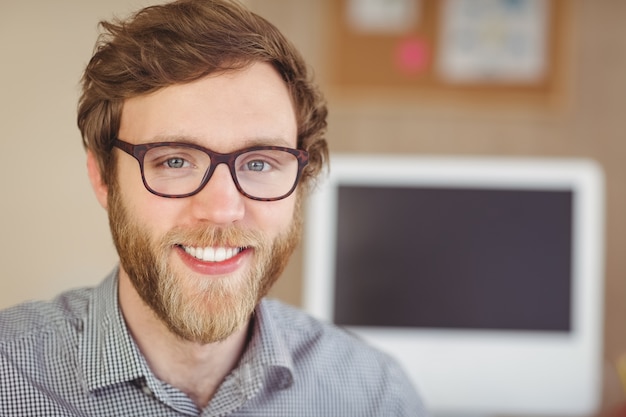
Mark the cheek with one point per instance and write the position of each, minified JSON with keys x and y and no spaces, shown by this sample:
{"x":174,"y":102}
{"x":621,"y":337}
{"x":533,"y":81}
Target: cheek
{"x":130,"y":187}
{"x":273,"y":217}
{"x":154,"y":214}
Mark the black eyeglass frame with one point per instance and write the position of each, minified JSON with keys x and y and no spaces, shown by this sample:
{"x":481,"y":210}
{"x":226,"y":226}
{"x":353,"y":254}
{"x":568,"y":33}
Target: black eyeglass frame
{"x":139,"y":152}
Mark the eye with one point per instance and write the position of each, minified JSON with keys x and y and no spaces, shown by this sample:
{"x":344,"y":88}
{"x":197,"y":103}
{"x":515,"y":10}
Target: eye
{"x":257,"y":165}
{"x":265,"y":161}
{"x":176,"y":163}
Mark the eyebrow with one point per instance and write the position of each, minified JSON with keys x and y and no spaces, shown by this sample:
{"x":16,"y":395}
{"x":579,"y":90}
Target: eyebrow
{"x":274,"y":141}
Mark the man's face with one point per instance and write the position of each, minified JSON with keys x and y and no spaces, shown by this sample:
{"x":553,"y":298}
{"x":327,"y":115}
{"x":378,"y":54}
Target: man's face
{"x":201,"y":263}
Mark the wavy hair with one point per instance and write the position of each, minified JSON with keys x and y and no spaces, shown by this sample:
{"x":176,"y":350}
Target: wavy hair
{"x":181,"y":42}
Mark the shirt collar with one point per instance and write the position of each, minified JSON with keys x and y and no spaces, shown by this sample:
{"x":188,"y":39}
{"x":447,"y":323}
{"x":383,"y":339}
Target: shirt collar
{"x":267,"y":353}
{"x":107,"y":353}
{"x":266,"y":365}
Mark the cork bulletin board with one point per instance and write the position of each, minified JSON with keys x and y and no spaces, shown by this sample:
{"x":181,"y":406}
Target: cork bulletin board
{"x":464,"y":46}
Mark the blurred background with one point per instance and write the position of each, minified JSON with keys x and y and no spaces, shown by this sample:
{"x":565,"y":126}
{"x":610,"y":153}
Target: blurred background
{"x":398,"y":79}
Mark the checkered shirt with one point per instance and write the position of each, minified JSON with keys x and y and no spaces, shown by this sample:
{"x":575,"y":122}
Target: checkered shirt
{"x":74,"y":356}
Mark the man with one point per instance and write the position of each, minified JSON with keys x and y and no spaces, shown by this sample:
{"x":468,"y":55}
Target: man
{"x":203,"y":134}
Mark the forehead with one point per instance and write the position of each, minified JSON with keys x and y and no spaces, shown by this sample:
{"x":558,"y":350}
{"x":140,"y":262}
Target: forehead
{"x":222,"y":111}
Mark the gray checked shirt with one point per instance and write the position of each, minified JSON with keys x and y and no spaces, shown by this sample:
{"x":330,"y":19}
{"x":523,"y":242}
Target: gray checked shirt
{"x":74,"y":356}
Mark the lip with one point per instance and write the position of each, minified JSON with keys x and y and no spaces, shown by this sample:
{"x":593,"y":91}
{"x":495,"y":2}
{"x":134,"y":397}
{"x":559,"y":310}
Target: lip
{"x":213,"y":268}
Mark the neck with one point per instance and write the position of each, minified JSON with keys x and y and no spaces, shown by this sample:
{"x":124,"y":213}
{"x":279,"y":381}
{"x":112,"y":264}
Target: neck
{"x":196,"y":369}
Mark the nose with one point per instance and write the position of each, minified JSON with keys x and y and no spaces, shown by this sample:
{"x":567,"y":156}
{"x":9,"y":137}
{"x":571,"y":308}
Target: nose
{"x":219,"y":202}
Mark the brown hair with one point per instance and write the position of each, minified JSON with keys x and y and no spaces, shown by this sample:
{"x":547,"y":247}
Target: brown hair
{"x":181,"y":42}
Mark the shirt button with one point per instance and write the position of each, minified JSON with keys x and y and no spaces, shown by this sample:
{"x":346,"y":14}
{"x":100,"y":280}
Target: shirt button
{"x":146,"y":390}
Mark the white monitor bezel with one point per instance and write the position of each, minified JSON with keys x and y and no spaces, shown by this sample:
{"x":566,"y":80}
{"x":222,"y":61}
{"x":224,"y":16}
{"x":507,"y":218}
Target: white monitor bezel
{"x":485,"y":372}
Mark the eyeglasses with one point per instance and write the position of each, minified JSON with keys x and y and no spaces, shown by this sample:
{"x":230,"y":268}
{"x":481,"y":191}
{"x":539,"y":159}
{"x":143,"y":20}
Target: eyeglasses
{"x":177,"y":170}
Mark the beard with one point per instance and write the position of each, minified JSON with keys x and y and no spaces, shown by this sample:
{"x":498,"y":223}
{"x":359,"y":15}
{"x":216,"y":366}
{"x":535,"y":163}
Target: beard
{"x":198,"y":309}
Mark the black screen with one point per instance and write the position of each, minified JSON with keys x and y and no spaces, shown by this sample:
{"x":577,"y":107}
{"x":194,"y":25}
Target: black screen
{"x":453,"y":258}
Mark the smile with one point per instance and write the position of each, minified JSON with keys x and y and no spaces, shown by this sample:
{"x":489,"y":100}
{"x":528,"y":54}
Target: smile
{"x":211,"y":254}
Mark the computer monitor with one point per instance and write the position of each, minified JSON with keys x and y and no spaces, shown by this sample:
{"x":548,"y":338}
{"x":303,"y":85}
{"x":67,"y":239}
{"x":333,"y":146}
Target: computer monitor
{"x":482,"y":276}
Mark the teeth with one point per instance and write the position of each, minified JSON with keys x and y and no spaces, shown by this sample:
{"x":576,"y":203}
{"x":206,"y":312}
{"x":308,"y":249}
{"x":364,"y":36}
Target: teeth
{"x":210,"y":254}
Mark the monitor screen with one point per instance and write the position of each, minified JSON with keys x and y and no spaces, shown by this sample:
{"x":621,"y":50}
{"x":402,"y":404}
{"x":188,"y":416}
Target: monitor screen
{"x":453,"y":258}
{"x":447,"y":261}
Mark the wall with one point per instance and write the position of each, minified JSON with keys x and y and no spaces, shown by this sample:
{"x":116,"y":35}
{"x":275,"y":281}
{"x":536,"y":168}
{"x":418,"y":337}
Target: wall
{"x":55,"y":236}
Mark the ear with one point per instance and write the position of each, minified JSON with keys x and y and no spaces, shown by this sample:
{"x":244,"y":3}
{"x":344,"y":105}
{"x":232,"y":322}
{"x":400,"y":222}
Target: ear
{"x":95,"y":176}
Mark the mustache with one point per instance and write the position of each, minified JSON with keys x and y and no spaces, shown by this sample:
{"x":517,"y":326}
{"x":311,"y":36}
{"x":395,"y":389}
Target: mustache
{"x":231,"y":236}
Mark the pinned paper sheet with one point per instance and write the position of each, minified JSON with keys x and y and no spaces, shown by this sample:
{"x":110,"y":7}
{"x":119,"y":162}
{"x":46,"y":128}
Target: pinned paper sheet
{"x":383,"y":16}
{"x":496,"y":41}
